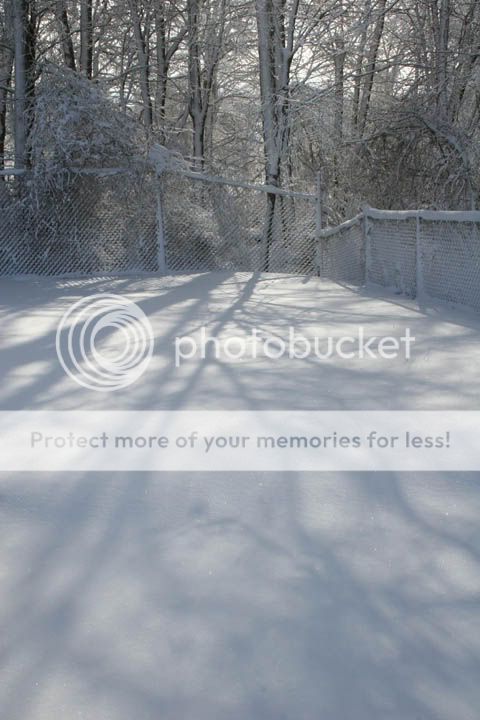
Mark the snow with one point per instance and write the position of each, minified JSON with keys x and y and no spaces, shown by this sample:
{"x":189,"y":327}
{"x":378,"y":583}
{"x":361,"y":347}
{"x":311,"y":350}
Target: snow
{"x":287,"y":596}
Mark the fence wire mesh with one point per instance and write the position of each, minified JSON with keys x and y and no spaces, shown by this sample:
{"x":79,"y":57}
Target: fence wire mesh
{"x":391,"y":247}
{"x":217,"y":226}
{"x":82,"y":224}
{"x":450,"y":261}
{"x":341,"y":253}
{"x":87,"y":223}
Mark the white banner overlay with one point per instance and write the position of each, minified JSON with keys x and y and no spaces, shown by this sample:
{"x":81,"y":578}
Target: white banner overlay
{"x":239,"y":441}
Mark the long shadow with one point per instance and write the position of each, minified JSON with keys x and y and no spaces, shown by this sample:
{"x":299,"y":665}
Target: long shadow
{"x":240,"y":595}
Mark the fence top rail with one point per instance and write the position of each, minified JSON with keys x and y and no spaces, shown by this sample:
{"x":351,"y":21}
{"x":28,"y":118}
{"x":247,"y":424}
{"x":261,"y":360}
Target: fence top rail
{"x":6,"y":172}
{"x":213,"y":179}
{"x":328,"y":232}
{"x":218,"y":180}
{"x":430,"y":215}
{"x":470,"y":216}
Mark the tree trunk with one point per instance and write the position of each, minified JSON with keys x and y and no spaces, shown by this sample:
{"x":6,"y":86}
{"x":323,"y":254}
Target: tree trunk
{"x":6,"y":67}
{"x":370,"y":68}
{"x":195,"y":105}
{"x":442,"y":39}
{"x":30,"y":71}
{"x":357,"y":82}
{"x":20,"y":30}
{"x":167,"y":46}
{"x":65,"y":34}
{"x":201,"y":77}
{"x":86,"y":38}
{"x":143,"y":63}
{"x":162,"y":64}
{"x":25,"y":24}
{"x":275,"y":53}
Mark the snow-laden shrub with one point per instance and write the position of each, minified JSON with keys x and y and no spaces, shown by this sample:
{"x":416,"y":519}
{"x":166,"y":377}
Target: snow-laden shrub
{"x":76,"y":125}
{"x":73,"y":219}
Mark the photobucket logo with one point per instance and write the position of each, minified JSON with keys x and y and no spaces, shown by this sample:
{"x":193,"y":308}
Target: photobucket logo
{"x":295,"y":347}
{"x":104,"y":342}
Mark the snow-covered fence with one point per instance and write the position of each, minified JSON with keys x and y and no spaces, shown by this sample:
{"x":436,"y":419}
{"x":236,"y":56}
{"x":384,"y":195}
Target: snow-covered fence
{"x":162,"y":220}
{"x":85,"y":222}
{"x":340,"y":252}
{"x":211,"y":223}
{"x":416,"y":253}
{"x":167,"y":219}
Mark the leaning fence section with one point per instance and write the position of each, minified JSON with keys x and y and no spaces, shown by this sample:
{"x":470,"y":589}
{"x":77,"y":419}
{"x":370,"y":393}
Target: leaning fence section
{"x":422,"y":254}
{"x":216,"y":224}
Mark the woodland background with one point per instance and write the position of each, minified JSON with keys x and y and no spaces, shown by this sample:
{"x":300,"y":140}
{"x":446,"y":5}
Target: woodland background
{"x":380,"y":96}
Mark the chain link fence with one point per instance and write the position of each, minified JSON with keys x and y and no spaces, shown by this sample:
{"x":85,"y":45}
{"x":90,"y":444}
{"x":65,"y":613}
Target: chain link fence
{"x":341,"y":252}
{"x":414,"y":253}
{"x":115,"y":221}
{"x":111,"y":221}
{"x":215,"y":224}
{"x":80,"y":224}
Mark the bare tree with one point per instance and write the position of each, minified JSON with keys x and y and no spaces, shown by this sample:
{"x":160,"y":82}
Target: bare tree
{"x":383,"y":94}
{"x":370,"y":68}
{"x":205,"y":47}
{"x":65,"y":34}
{"x":86,"y":37}
{"x":276,"y":23}
{"x":143,"y":61}
{"x":6,"y":67}
{"x":21,"y":63}
{"x":170,"y":31}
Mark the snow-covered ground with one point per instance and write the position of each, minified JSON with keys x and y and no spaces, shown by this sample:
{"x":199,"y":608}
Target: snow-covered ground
{"x":237,"y":596}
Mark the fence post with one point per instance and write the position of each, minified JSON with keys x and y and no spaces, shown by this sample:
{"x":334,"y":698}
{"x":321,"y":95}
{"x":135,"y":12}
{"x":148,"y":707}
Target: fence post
{"x":418,"y":256}
{"x":161,"y":254}
{"x":366,"y":241}
{"x":319,"y":222}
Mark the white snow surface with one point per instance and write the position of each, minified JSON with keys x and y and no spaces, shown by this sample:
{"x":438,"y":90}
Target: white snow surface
{"x":238,"y":596}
